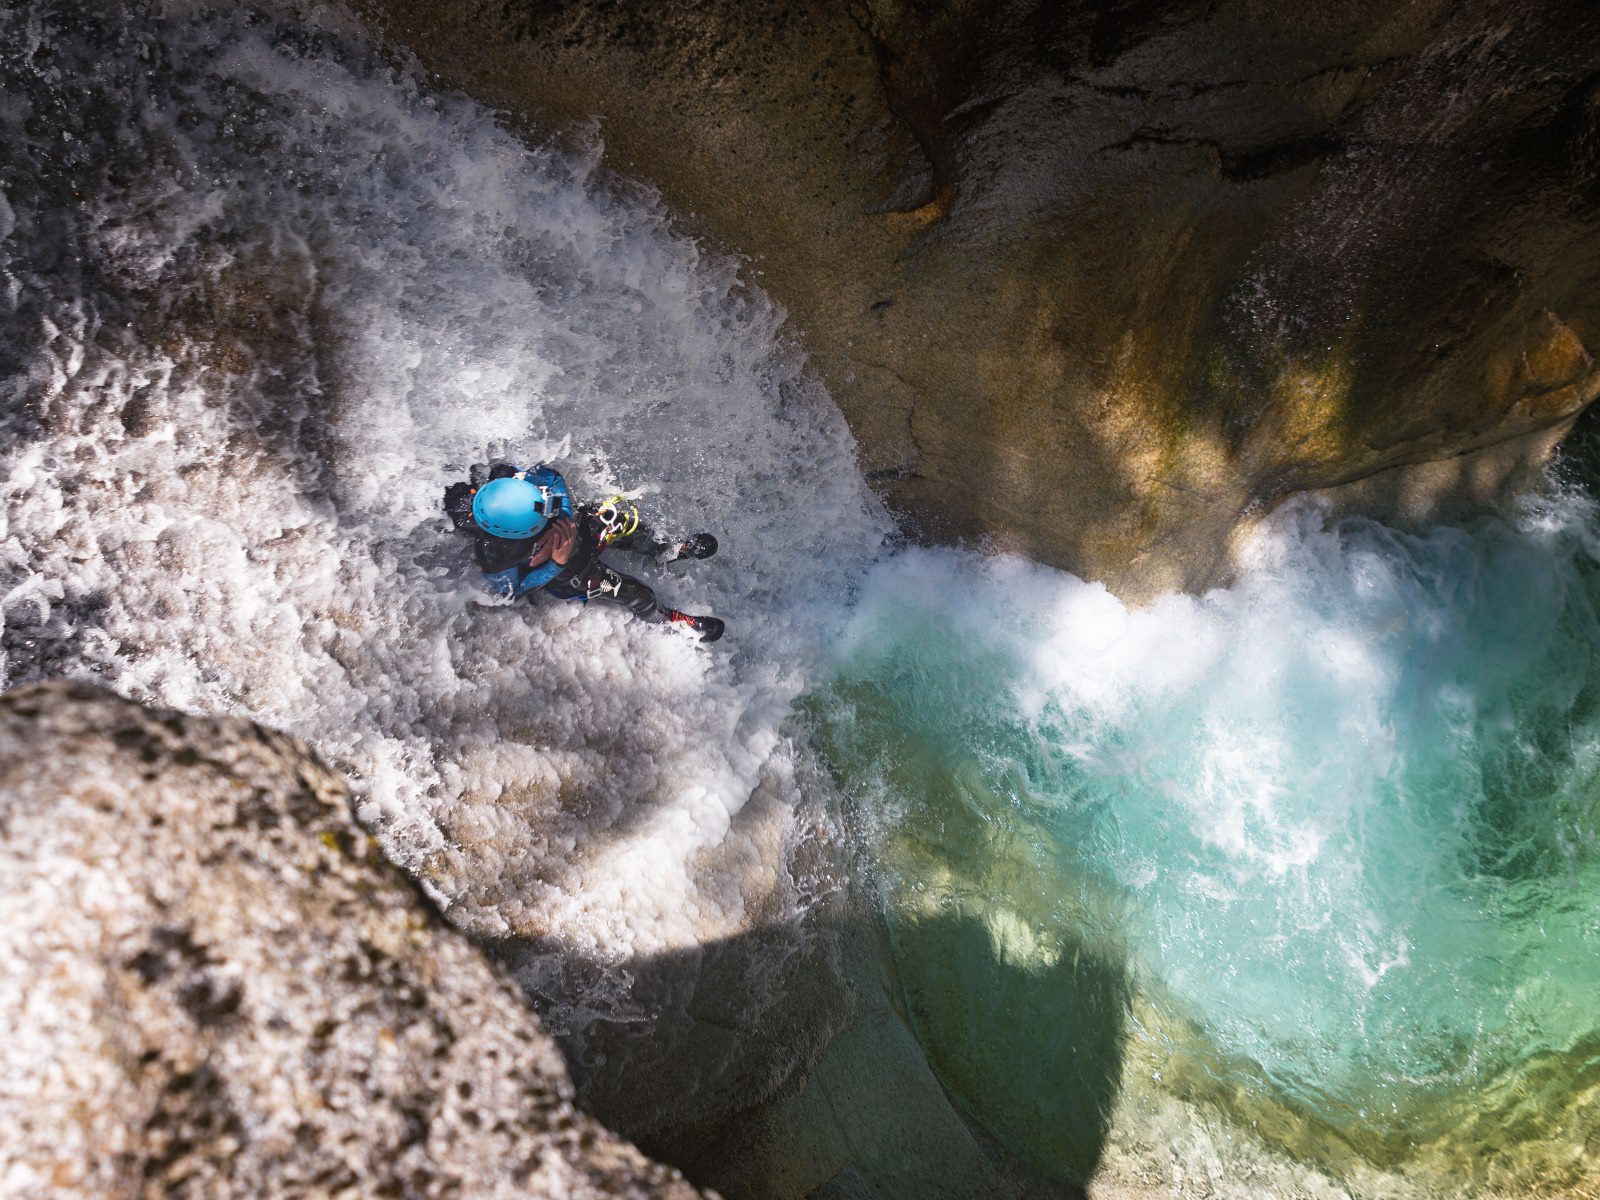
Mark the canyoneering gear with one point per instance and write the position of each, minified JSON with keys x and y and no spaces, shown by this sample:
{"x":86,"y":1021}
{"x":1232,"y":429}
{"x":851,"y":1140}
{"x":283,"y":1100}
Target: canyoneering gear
{"x":516,"y":507}
{"x":619,"y":523}
{"x":618,"y":519}
{"x":597,"y":581}
{"x":603,"y":583}
{"x":561,"y":554}
{"x":514,"y":565}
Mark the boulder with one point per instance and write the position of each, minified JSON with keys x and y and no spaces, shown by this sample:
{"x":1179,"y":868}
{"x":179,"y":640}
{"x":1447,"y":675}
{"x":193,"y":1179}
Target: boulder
{"x":215,"y":986}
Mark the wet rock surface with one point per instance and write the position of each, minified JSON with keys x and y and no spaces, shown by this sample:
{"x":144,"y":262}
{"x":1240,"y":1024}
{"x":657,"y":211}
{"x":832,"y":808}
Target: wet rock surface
{"x":1105,"y":283}
{"x":215,"y":986}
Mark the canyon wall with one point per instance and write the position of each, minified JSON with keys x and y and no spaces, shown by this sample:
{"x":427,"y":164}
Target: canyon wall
{"x":1104,"y":283}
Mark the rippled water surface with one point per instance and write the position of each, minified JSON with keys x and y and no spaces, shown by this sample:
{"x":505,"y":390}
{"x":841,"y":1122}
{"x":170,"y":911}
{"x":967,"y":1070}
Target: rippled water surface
{"x":1332,"y":834}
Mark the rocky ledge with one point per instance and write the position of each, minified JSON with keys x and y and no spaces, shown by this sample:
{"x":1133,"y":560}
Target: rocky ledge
{"x":215,"y":986}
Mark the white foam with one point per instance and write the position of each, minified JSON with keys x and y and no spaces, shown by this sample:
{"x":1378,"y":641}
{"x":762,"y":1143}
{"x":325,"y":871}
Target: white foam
{"x":315,"y":295}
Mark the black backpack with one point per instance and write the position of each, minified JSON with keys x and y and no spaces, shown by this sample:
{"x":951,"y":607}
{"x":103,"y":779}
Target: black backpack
{"x":458,"y":507}
{"x":458,"y":496}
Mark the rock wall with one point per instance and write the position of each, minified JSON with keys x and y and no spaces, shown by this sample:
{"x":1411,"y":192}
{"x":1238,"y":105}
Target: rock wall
{"x":215,"y":986}
{"x":1103,"y":283}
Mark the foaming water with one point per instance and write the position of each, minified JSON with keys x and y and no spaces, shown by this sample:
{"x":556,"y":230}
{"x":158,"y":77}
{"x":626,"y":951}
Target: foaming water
{"x":262,"y":296}
{"x":1330,"y":834}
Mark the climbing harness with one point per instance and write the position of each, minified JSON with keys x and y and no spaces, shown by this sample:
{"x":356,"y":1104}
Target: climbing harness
{"x":604,"y":583}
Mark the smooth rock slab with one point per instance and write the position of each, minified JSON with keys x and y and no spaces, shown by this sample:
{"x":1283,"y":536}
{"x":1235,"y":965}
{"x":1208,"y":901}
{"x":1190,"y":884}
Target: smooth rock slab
{"x":215,"y":986}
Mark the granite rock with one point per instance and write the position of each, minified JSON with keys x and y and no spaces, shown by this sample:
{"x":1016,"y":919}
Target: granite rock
{"x":216,"y":986}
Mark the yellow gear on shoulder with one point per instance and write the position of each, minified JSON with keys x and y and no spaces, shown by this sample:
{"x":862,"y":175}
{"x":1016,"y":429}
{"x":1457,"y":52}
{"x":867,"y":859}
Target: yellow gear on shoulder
{"x":618,"y":519}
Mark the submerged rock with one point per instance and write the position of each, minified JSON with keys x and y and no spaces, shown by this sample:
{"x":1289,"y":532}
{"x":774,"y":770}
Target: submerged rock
{"x":1108,"y":282}
{"x":216,"y":987}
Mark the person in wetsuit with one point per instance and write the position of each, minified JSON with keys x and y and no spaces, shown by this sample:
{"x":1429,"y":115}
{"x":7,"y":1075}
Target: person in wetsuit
{"x":528,"y":536}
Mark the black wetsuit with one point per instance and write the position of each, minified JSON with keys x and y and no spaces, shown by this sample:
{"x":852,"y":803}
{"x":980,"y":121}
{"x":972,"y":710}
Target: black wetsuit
{"x":588,"y":578}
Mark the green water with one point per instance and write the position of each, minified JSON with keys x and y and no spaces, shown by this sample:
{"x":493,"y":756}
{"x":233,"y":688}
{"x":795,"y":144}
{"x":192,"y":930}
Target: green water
{"x":1318,"y":854}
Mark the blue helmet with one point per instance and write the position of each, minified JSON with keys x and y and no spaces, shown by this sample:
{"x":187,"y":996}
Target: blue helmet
{"x":512,"y":508}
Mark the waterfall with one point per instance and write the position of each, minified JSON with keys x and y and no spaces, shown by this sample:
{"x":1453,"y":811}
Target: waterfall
{"x":264,"y":296}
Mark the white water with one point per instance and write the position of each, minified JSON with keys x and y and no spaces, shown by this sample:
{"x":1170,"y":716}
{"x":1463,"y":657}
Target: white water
{"x":264,"y":297}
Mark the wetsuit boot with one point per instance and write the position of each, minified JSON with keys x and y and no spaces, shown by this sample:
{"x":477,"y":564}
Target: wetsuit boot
{"x":709,"y":628}
{"x":701,"y":545}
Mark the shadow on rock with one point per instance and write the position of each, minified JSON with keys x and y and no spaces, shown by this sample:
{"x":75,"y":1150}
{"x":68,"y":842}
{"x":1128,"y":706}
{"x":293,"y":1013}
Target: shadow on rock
{"x":825,"y":1059}
{"x":1028,"y":1040}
